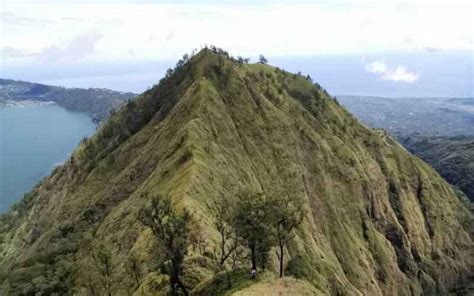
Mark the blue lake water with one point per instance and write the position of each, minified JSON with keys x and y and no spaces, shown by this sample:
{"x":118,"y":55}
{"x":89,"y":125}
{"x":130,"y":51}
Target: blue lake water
{"x":33,"y":139}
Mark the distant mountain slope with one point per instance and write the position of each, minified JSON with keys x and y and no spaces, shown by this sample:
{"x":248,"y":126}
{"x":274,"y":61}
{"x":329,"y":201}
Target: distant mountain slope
{"x":452,"y":157}
{"x":379,"y":221}
{"x":439,"y":130}
{"x":93,"y":101}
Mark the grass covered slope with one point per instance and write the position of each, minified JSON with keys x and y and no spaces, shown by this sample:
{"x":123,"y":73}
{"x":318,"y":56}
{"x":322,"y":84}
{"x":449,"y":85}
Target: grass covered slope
{"x":439,"y":130}
{"x":380,"y":221}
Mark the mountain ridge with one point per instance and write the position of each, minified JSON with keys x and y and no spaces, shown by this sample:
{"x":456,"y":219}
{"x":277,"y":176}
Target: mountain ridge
{"x":380,"y":221}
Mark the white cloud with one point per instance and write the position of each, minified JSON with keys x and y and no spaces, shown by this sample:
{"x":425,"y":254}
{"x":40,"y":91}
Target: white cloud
{"x":13,"y":19}
{"x":376,"y":67}
{"x":273,"y":28}
{"x":8,"y":52}
{"x":75,"y":49}
{"x":400,"y":74}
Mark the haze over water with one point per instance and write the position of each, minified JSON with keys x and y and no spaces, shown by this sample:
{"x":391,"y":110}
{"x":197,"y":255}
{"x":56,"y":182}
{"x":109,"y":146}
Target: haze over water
{"x":33,"y":139}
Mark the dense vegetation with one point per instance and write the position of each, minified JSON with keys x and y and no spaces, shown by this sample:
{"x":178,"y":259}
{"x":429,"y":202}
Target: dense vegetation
{"x":255,"y":222}
{"x":96,"y":102}
{"x":452,"y":157}
{"x":223,"y":167}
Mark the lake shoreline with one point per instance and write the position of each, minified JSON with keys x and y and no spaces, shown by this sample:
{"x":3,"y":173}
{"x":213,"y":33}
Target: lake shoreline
{"x":23,"y":103}
{"x":35,"y":137}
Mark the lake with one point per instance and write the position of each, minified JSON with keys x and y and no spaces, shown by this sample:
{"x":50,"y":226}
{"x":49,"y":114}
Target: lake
{"x":34,"y":138}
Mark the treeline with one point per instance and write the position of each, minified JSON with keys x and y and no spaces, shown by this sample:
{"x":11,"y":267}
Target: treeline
{"x":248,"y":229}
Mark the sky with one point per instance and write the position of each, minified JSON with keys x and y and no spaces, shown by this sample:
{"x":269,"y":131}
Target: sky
{"x":127,"y":46}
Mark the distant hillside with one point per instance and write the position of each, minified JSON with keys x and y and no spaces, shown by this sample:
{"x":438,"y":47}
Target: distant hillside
{"x":439,"y":130}
{"x":96,"y":102}
{"x":216,"y":130}
{"x":452,"y":157}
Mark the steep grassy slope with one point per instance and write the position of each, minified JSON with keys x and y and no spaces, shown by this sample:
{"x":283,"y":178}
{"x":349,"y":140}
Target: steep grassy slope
{"x":380,"y":221}
{"x":439,"y":130}
{"x":96,"y":102}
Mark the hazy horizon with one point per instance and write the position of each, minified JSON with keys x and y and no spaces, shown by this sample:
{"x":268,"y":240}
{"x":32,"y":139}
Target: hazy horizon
{"x":438,"y":74}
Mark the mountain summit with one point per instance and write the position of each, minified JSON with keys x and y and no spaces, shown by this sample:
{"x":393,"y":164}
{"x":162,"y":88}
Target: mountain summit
{"x":377,"y":220}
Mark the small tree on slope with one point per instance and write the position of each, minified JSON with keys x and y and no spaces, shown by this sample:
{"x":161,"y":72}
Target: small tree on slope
{"x":228,"y":241}
{"x":287,"y":215}
{"x":252,"y":222}
{"x":171,"y":231}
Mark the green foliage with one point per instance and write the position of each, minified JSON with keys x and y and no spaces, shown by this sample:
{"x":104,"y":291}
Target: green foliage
{"x":228,"y":241}
{"x":25,"y":204}
{"x":134,"y":269}
{"x":171,"y":231}
{"x":253,"y":223}
{"x":40,"y":279}
{"x":287,"y":214}
{"x":103,"y":263}
{"x":452,"y":157}
{"x":299,"y":267}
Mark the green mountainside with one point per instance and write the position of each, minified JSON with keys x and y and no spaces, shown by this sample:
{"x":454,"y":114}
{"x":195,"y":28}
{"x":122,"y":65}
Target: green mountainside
{"x":439,"y":130}
{"x":96,"y":102}
{"x":452,"y":157}
{"x":379,"y":221}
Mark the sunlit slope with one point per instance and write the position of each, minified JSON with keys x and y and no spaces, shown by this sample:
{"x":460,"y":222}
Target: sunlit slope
{"x":380,"y":221}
